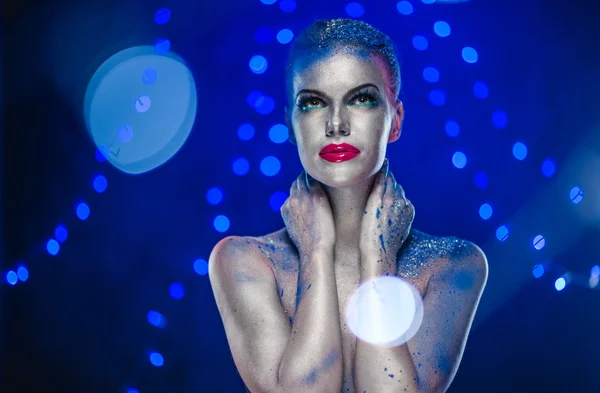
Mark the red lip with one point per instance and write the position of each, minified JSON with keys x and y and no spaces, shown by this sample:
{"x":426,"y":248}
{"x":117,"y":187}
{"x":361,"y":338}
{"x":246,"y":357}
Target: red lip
{"x":339,"y":153}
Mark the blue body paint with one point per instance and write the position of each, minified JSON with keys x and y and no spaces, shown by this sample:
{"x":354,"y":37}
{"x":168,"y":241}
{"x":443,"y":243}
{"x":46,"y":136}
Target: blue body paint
{"x":328,"y":362}
{"x":463,"y":280}
{"x":382,"y":245}
{"x":377,"y":213}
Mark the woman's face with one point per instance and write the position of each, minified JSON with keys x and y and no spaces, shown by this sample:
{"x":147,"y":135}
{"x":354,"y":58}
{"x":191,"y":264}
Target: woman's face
{"x":342,"y":99}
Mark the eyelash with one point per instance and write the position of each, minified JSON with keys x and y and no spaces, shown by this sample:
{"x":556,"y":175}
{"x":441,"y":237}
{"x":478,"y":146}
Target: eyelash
{"x":373,"y":102}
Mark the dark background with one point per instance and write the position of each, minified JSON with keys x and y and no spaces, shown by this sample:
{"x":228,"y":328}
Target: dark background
{"x":79,"y":322}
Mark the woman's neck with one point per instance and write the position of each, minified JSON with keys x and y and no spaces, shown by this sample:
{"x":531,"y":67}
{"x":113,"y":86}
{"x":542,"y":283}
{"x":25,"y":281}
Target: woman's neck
{"x":348,"y":209}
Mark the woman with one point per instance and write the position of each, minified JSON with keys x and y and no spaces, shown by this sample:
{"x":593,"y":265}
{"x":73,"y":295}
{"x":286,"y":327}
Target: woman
{"x":282,"y":296}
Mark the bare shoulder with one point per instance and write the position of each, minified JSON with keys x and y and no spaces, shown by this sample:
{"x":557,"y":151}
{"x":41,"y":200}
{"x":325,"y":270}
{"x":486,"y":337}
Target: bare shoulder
{"x":444,"y":256}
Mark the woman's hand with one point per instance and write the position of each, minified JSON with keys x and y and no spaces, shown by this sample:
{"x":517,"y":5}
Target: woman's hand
{"x":307,"y":215}
{"x":388,"y":219}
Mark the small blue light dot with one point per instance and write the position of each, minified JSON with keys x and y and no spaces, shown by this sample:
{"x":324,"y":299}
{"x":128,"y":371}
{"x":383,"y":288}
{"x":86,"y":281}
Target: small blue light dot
{"x":539,"y":242}
{"x":149,"y":76}
{"x":520,"y":151}
{"x":576,"y":195}
{"x":241,"y":166}
{"x":263,"y":35}
{"x":23,"y":273}
{"x":265,"y":105}
{"x":431,"y":74}
{"x":52,"y":247}
{"x":452,"y":128}
{"x":254,"y":98}
{"x":100,"y":184}
{"x":101,"y":157}
{"x":481,"y":180}
{"x":499,"y":119}
{"x":437,"y":97}
{"x":480,"y":90}
{"x":132,"y":390}
{"x":502,"y":233}
{"x":560,"y":284}
{"x":162,"y":16}
{"x":287,"y":5}
{"x":83,"y":211}
{"x":354,"y":9}
{"x":459,"y":159}
{"x":441,"y":28}
{"x":595,"y":271}
{"x":485,"y":211}
{"x":538,"y":271}
{"x":270,"y":166}
{"x":60,"y":233}
{"x":258,"y":64}
{"x":277,"y":199}
{"x":268,"y":2}
{"x":221,"y":223}
{"x":427,"y":1}
{"x":245,"y":132}
{"x":156,"y":319}
{"x":420,"y":43}
{"x":176,"y":291}
{"x":156,"y":359}
{"x":11,"y":277}
{"x":470,"y":55}
{"x":162,"y":46}
{"x":214,"y":196}
{"x":278,"y":133}
{"x":285,"y":36}
{"x":201,"y":267}
{"x":548,"y":167}
{"x":404,"y":7}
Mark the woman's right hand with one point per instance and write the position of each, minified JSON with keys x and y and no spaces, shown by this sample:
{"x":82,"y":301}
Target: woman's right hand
{"x":307,"y":215}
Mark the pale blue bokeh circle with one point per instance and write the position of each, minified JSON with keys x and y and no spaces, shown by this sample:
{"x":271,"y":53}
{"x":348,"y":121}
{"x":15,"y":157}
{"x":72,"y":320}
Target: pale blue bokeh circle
{"x":112,"y":105}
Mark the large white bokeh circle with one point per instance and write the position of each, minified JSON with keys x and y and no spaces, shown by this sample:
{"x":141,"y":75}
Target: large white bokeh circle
{"x":385,"y":311}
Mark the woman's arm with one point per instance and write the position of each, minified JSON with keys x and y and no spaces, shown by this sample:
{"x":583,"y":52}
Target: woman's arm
{"x":272,"y":356}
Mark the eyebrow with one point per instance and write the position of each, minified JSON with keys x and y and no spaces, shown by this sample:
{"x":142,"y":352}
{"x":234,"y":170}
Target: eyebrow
{"x":350,"y":92}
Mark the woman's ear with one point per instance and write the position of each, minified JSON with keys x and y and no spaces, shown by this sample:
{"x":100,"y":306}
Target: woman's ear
{"x":288,"y":123}
{"x":397,"y":120}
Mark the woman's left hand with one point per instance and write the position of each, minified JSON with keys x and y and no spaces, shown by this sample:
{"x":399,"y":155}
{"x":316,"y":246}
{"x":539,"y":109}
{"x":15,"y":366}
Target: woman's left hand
{"x":388,"y":218}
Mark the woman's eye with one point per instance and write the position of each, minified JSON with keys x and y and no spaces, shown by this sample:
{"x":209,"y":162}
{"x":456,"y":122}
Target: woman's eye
{"x":365,"y":99}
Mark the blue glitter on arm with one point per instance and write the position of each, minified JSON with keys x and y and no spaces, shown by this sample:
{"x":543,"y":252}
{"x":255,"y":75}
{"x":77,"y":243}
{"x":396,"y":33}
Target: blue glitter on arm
{"x":377,"y":214}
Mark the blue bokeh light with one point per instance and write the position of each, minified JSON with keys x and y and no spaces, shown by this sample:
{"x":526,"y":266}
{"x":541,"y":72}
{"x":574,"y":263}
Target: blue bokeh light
{"x":520,"y":151}
{"x":132,"y":390}
{"x":245,"y":131}
{"x":254,"y":98}
{"x":156,"y":319}
{"x":278,"y":133}
{"x":285,"y":36}
{"x":265,"y":105}
{"x":241,"y":166}
{"x":486,"y":211}
{"x":270,"y":166}
{"x":548,"y":167}
{"x":481,"y":180}
{"x":201,"y":267}
{"x":560,"y":284}
{"x":420,"y":42}
{"x":100,"y":183}
{"x":431,"y":74}
{"x":470,"y":55}
{"x":22,"y":273}
{"x":427,"y":1}
{"x":277,"y":199}
{"x":287,"y":5}
{"x":149,"y":76}
{"x":221,"y":223}
{"x":258,"y":64}
{"x":162,"y":46}
{"x":404,"y":7}
{"x":61,"y":233}
{"x":441,"y":28}
{"x":52,"y":247}
{"x":83,"y":211}
{"x":480,"y":90}
{"x":263,"y":35}
{"x":459,"y":159}
{"x":11,"y":277}
{"x":176,"y":291}
{"x":437,"y":97}
{"x":499,"y":119}
{"x":354,"y":9}
{"x":162,"y":16}
{"x":502,"y":233}
{"x":100,"y":157}
{"x":156,"y":359}
{"x":538,"y":271}
{"x":539,"y":242}
{"x":214,"y":195}
{"x":576,"y":195}
{"x":452,"y":128}
{"x":268,"y":2}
